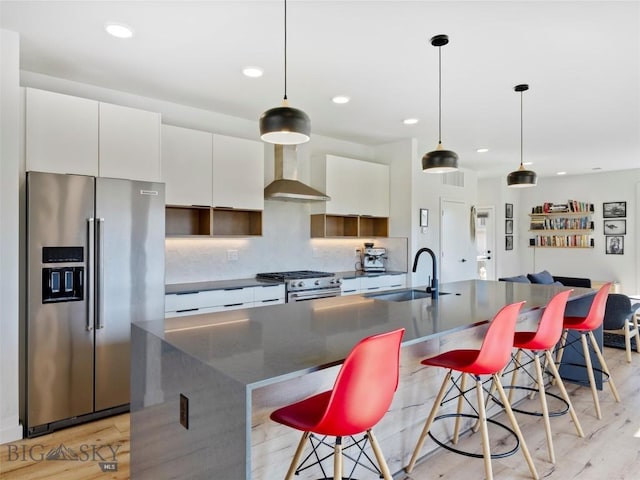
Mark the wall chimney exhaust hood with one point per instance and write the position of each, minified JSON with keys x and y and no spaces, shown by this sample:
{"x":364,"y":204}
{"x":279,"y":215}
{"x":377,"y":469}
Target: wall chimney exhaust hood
{"x":286,"y":186}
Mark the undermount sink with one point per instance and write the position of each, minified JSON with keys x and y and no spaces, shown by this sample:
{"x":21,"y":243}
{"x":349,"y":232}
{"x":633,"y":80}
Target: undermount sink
{"x":403,"y":295}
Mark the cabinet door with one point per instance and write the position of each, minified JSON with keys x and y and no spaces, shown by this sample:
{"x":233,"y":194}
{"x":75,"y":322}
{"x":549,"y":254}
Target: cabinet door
{"x":374,"y":189}
{"x":186,"y":165}
{"x":129,"y":143}
{"x":61,"y":133}
{"x":238,"y":173}
{"x":350,"y":286}
{"x":343,"y":185}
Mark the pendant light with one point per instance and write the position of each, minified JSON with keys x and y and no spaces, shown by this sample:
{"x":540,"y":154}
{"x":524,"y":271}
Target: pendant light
{"x":285,"y":125}
{"x":440,"y":160}
{"x":521,"y":178}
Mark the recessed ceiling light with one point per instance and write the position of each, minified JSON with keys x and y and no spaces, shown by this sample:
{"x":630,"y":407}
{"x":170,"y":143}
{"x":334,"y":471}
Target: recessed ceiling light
{"x":528,"y":163}
{"x":340,"y":99}
{"x":482,"y":150}
{"x":410,"y":121}
{"x":119,"y":30}
{"x":253,"y":72}
{"x":561,"y":173}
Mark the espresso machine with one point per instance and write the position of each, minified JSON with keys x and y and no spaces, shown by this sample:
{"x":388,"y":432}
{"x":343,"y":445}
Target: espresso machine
{"x":373,"y":258}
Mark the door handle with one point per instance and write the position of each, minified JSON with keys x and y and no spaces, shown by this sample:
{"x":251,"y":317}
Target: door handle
{"x":89,"y":274}
{"x":463,"y":260}
{"x":100,"y":274}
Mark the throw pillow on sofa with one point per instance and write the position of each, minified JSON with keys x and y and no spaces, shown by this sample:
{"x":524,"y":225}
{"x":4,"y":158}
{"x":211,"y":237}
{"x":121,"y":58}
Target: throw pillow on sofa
{"x":543,"y":277}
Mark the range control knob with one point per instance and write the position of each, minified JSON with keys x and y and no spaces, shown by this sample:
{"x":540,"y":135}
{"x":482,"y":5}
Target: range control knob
{"x":317,"y":282}
{"x":301,"y":284}
{"x":338,"y":281}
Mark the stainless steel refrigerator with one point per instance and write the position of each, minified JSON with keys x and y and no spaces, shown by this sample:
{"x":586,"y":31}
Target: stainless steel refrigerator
{"x":95,"y":264}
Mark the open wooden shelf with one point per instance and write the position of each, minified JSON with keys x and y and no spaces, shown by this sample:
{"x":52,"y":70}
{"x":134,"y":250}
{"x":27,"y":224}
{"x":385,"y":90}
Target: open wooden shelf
{"x":236,"y":222}
{"x":181,"y":220}
{"x":207,"y":221}
{"x":374,"y":227}
{"x":325,"y":225}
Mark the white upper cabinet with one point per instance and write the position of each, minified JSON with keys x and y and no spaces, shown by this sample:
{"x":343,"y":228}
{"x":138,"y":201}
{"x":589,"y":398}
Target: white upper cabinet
{"x":356,"y":187}
{"x":61,"y":133}
{"x":186,"y":165}
{"x":129,"y":143}
{"x":238,"y":173}
{"x":67,"y":134}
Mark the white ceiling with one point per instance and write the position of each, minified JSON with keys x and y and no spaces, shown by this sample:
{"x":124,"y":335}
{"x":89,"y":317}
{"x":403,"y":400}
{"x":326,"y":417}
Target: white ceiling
{"x":581,"y":59}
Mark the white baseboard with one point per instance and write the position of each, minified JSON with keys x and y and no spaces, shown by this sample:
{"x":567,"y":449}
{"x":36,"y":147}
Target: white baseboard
{"x":10,"y":434}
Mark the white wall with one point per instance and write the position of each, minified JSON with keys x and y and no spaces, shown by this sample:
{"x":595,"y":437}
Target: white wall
{"x":595,"y":188}
{"x":9,"y":227}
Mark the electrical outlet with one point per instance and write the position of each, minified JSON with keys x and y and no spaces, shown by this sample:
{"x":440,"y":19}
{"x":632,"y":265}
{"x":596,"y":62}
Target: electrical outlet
{"x":357,"y":254}
{"x":232,"y":255}
{"x":184,"y":411}
{"x":315,"y":253}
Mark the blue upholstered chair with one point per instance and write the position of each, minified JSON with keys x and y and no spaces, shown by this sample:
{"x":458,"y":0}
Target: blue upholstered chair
{"x":620,"y":317}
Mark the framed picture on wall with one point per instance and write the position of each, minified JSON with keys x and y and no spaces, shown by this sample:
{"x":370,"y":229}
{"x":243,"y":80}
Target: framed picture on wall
{"x":614,"y":245}
{"x":614,"y":209}
{"x":508,"y":242}
{"x":615,"y":227}
{"x":508,"y":210}
{"x":508,"y":227}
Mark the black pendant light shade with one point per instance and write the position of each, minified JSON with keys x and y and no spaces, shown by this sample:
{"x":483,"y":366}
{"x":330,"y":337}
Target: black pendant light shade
{"x":522,"y":177}
{"x":440,"y":160}
{"x":285,"y":125}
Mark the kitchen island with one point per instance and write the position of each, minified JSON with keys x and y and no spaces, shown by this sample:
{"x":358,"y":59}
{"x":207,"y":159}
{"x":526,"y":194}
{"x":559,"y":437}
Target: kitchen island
{"x":203,"y":386}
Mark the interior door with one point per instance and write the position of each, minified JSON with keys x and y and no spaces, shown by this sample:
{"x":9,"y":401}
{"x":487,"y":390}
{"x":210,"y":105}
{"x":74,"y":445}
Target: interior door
{"x":457,"y":249}
{"x":485,"y":236}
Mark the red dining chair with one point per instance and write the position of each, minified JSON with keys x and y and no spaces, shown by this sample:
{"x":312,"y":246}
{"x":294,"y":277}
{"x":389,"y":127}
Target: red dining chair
{"x":490,"y":359}
{"x":542,"y":342}
{"x":585,"y":326}
{"x":361,"y":395}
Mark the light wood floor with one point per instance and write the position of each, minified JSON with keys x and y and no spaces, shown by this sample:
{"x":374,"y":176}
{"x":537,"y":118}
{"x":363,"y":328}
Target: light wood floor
{"x":610,"y":449}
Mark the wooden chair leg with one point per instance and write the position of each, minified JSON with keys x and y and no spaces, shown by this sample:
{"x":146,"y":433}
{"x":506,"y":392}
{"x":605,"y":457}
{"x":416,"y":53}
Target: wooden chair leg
{"x":486,"y":448}
{"x":627,"y":340}
{"x":337,"y":459}
{"x":456,"y":429}
{"x":428,"y":422}
{"x":296,"y":456}
{"x":382,"y":463}
{"x":563,"y":391}
{"x":592,"y":380}
{"x":603,"y":364}
{"x":636,"y":327}
{"x":514,"y":375}
{"x":516,"y":428}
{"x":545,"y":408}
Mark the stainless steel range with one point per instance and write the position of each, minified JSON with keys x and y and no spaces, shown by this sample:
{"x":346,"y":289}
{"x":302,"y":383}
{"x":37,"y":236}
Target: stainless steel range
{"x":304,"y":285}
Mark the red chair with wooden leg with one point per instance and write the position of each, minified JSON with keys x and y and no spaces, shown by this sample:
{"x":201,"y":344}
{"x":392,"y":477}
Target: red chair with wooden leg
{"x":361,"y":395}
{"x":542,"y":342}
{"x":490,"y":359}
{"x":585,"y":327}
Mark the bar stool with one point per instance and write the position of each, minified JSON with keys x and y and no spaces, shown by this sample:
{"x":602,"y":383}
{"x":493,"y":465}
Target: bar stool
{"x":585,"y":326}
{"x":361,"y":395}
{"x":541,"y":343}
{"x":490,"y":359}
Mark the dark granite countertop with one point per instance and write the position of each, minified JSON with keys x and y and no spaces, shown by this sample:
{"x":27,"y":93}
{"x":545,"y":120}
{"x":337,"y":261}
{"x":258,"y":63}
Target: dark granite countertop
{"x":217,"y":285}
{"x":264,"y":345}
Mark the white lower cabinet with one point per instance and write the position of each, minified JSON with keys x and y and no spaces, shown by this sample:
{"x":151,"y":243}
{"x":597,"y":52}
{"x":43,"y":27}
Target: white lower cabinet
{"x":359,"y":285}
{"x":210,"y":301}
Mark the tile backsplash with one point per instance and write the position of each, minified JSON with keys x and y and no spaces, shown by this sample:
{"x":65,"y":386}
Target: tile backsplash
{"x":284,"y":245}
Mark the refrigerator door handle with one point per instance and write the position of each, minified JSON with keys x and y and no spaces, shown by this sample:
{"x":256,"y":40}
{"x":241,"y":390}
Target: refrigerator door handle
{"x":100,"y":274}
{"x":90,"y":278}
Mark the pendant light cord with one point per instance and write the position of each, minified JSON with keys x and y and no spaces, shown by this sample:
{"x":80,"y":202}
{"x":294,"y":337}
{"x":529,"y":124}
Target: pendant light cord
{"x":439,"y":95}
{"x":285,"y":50}
{"x":521,"y":130}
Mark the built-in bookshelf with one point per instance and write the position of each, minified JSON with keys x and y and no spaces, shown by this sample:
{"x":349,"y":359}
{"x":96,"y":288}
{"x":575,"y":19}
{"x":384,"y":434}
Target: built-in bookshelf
{"x":565,"y":225}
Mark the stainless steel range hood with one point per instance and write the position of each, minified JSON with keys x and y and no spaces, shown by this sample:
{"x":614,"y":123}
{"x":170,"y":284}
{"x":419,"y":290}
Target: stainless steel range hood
{"x":286,"y":186}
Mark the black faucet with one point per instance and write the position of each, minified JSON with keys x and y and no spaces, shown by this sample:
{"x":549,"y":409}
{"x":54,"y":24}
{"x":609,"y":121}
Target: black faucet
{"x":433,"y":288}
